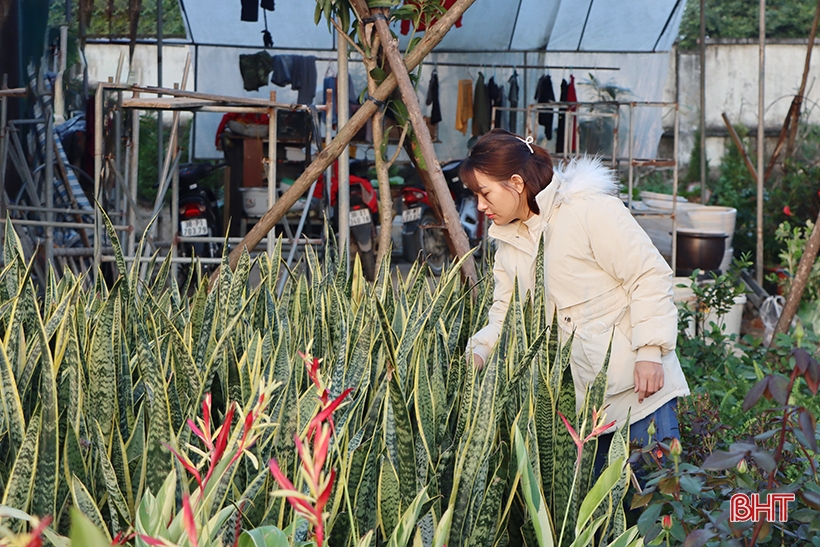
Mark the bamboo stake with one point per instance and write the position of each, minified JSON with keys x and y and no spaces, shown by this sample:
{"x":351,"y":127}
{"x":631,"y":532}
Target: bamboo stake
{"x":739,"y":145}
{"x":452,"y":222}
{"x":323,"y":160}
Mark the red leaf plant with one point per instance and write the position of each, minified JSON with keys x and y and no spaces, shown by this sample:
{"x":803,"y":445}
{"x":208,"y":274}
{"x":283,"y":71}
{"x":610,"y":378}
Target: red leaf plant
{"x":598,"y":427}
{"x":313,"y":450}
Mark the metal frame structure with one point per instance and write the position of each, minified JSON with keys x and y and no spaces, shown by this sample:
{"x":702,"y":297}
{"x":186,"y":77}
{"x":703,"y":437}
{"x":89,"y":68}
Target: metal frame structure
{"x":570,"y":110}
{"x":177,"y":100}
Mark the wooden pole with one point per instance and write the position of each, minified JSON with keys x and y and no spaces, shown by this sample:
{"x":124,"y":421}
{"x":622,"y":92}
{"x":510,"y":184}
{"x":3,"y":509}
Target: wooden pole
{"x":323,"y":160}
{"x":790,"y":124}
{"x":452,"y":222}
{"x":739,"y":146}
{"x":760,"y":141}
{"x":798,"y":99}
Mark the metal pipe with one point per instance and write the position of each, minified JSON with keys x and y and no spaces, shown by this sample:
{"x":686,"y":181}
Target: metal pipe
{"x":631,"y":148}
{"x":272,"y":153}
{"x":49,"y":183}
{"x":343,"y":200}
{"x":98,"y":158}
{"x":702,"y":102}
{"x":133,"y":176}
{"x":3,"y":154}
{"x":676,"y":156}
{"x":760,"y":143}
{"x":61,"y":224}
{"x":173,"y":147}
{"x":50,"y":210}
{"x":160,"y":162}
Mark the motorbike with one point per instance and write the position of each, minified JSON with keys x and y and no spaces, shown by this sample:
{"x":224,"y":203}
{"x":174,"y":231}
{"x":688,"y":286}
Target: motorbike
{"x":363,"y":216}
{"x":198,"y":211}
{"x":423,"y":231}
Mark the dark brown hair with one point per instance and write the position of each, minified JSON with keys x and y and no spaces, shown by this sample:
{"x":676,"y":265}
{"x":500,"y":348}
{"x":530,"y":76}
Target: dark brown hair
{"x":499,"y":155}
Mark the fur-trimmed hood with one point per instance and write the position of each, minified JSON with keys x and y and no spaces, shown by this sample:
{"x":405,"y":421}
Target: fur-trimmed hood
{"x":583,"y":176}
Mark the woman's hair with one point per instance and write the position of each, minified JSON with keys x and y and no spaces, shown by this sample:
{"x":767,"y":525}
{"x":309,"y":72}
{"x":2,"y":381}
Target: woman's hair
{"x":499,"y":155}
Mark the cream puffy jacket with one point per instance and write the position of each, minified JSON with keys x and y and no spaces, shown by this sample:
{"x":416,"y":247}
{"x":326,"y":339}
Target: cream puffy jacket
{"x":604,"y":278}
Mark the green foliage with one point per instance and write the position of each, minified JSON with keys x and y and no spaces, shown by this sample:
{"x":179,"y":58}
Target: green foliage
{"x":110,"y":19}
{"x":102,"y":387}
{"x":693,"y":169}
{"x":739,"y":19}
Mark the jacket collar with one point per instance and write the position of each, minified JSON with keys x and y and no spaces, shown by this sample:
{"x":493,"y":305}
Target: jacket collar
{"x":581,"y":177}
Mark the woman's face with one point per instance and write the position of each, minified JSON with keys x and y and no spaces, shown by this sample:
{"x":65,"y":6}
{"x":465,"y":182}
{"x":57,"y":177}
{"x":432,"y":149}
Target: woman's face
{"x":502,"y":202}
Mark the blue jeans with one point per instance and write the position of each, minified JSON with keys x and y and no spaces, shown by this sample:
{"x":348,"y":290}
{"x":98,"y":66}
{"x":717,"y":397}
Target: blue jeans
{"x":666,"y":427}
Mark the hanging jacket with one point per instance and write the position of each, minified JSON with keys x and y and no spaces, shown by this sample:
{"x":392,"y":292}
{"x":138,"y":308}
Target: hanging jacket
{"x":560,"y":131}
{"x":432,"y":99}
{"x":481,"y":107}
{"x":254,"y":69}
{"x":512,"y":97}
{"x":545,"y":94}
{"x":604,"y":278}
{"x":299,"y":71}
{"x":495,"y":93}
{"x":464,"y":107}
{"x":572,"y":98}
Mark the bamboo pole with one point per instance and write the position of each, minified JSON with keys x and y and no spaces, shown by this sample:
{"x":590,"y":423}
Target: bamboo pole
{"x":323,"y":160}
{"x":739,"y":145}
{"x":452,"y":222}
{"x":760,"y":142}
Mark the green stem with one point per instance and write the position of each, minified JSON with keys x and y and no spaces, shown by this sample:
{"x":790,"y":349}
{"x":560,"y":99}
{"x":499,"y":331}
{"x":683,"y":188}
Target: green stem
{"x":569,"y":500}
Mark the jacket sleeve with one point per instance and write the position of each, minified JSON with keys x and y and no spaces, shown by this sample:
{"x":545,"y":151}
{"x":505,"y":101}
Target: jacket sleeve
{"x":624,"y":250}
{"x":483,"y":341}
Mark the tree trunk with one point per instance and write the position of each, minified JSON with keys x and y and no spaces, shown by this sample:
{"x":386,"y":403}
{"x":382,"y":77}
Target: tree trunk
{"x":454,"y":231}
{"x":323,"y":160}
{"x":801,"y":279}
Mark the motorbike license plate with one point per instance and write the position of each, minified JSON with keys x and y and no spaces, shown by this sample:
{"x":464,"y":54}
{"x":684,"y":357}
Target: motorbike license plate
{"x":359,"y":217}
{"x":195,"y":227}
{"x":409,"y":215}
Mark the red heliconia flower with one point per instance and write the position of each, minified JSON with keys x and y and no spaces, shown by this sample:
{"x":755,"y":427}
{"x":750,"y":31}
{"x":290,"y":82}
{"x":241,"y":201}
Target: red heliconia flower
{"x":37,"y":534}
{"x":188,"y":521}
{"x":787,"y":210}
{"x":597,"y":429}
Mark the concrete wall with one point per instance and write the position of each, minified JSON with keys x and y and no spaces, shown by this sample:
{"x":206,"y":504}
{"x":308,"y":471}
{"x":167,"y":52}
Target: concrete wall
{"x":732,"y":87}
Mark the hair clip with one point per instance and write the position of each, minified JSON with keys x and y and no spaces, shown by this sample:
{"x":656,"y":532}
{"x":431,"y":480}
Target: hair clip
{"x":528,"y":142}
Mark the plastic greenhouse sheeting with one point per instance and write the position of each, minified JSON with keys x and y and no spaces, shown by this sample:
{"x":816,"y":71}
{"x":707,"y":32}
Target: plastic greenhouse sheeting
{"x":489,"y":25}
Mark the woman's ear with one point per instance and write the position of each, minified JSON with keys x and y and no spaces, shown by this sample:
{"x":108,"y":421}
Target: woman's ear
{"x":517,"y":183}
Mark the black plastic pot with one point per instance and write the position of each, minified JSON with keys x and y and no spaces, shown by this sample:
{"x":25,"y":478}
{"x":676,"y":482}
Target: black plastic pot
{"x":699,"y":250}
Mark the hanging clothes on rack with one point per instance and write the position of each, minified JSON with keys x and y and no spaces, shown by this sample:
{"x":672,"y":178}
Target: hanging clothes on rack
{"x":432,"y":99}
{"x":254,"y":69}
{"x":250,"y":9}
{"x":562,"y":120}
{"x":464,"y":106}
{"x":512,"y":97}
{"x":299,"y":71}
{"x":481,"y":107}
{"x":572,"y":97}
{"x":545,"y":94}
{"x":329,"y":82}
{"x":496,"y":95}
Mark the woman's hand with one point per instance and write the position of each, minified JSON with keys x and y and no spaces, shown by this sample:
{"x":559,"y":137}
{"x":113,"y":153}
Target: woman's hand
{"x":648,"y":378}
{"x":478,"y":362}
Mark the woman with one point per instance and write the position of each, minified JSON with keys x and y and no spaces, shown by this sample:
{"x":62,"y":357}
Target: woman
{"x":604,"y":277}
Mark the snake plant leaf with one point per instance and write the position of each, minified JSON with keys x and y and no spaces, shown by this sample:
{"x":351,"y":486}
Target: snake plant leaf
{"x":44,"y":496}
{"x":264,"y":536}
{"x":12,"y":405}
{"x":85,"y":532}
{"x":536,"y":504}
{"x":405,"y":456}
{"x":487,"y":520}
{"x":587,"y":535}
{"x":102,"y":370}
{"x":85,"y":503}
{"x":115,"y":244}
{"x":109,"y":476}
{"x":156,"y":458}
{"x":389,"y":498}
{"x":629,"y":538}
{"x":404,"y":530}
{"x":599,"y":493}
{"x":20,"y":484}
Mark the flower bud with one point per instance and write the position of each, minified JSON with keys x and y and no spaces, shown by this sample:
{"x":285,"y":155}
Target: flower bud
{"x":742,"y":466}
{"x":675,"y":449}
{"x":666,"y":522}
{"x":651,"y":429}
{"x":799,"y":332}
